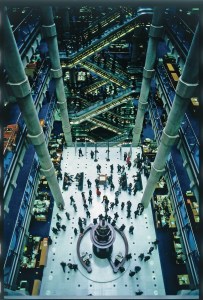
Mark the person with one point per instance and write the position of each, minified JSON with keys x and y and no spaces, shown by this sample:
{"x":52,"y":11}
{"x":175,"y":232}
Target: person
{"x":129,"y":165}
{"x":75,"y":231}
{"x":155,"y":243}
{"x":118,"y":168}
{"x":85,"y":206}
{"x":58,"y":217}
{"x":98,"y":168}
{"x":75,"y":267}
{"x":122,"y":227}
{"x":58,"y":226}
{"x":67,"y":215}
{"x":141,"y":256}
{"x":150,"y":250}
{"x":80,"y":222}
{"x":90,"y":193}
{"x":116,"y":201}
{"x":131,"y":273}
{"x":55,"y":231}
{"x":88,"y":214}
{"x":70,"y":266}
{"x":71,"y":200}
{"x":113,"y":223}
{"x":128,"y":213}
{"x":92,"y":154}
{"x":128,"y":256}
{"x":137,"y":269}
{"x":111,"y":167}
{"x":95,"y":221}
{"x":125,"y":155}
{"x":109,"y":219}
{"x":63,"y":227}
{"x":131,"y":228}
{"x":89,"y":183}
{"x":112,"y":187}
{"x":112,"y":205}
{"x":84,"y":221}
{"x":49,"y":240}
{"x":116,"y":215}
{"x":147,"y":257}
{"x":122,"y":269}
{"x":98,"y":192}
{"x":122,"y":205}
{"x":90,"y":200}
{"x":80,"y":152}
{"x":139,"y":293}
{"x":136,"y":213}
{"x":75,"y":207}
{"x":63,"y":265}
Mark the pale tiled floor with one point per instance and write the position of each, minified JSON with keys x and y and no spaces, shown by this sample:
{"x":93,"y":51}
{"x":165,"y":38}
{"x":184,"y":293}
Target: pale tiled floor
{"x":102,"y":281}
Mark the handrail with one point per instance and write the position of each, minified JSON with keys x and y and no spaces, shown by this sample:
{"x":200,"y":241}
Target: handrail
{"x":25,"y":18}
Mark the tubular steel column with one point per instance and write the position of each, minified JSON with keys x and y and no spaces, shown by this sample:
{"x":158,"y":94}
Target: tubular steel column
{"x":49,"y":32}
{"x":20,"y":86}
{"x":185,"y":89}
{"x":156,"y":32}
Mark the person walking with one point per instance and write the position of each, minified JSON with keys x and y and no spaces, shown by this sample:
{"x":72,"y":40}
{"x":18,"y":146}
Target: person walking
{"x":80,"y":152}
{"x":112,"y":187}
{"x":136,"y":213}
{"x":75,"y":231}
{"x":75,"y":267}
{"x":63,"y":265}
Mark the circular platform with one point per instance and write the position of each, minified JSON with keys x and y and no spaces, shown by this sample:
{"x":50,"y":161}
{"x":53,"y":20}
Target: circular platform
{"x":101,"y":269}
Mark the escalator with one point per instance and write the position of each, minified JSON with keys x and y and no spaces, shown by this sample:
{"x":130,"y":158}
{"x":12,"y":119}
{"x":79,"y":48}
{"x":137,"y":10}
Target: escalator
{"x":96,"y":85}
{"x":101,"y":107}
{"x":143,"y":15}
{"x":105,"y":74}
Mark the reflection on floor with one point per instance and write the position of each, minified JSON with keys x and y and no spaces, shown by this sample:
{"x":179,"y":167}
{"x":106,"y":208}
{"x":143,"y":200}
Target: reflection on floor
{"x":102,"y":281}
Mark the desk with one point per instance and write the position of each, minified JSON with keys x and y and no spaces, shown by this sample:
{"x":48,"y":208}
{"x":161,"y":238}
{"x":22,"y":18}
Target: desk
{"x":36,"y":287}
{"x":170,"y":67}
{"x":175,"y":76}
{"x":183,"y":279}
{"x":102,"y":179}
{"x":119,"y":257}
{"x":44,"y":251}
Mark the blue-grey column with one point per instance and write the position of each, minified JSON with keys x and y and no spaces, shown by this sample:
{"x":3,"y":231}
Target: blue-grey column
{"x":19,"y":84}
{"x":49,"y":32}
{"x":185,"y":89}
{"x":155,"y":33}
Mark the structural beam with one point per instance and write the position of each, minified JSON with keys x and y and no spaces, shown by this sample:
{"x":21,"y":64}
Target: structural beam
{"x":185,"y":89}
{"x":155,"y":33}
{"x":19,"y":84}
{"x":49,"y":33}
